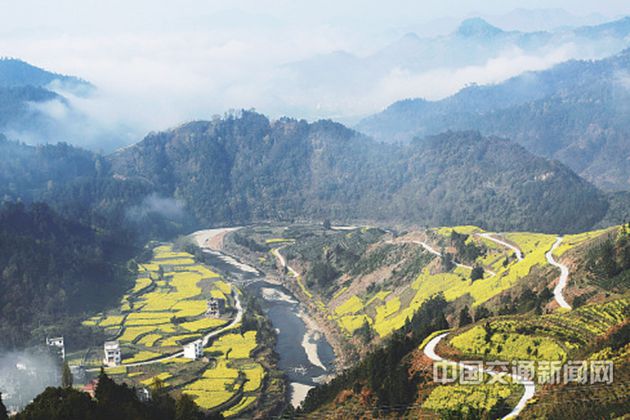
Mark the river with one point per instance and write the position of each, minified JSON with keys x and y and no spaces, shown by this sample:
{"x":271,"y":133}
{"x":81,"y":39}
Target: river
{"x":304,"y":354}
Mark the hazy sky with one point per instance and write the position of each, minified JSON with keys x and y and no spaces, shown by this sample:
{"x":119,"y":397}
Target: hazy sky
{"x":157,"y":63}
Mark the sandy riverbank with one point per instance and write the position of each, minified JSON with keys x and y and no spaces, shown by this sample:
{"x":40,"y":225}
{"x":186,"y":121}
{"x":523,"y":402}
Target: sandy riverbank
{"x":212,"y":238}
{"x":298,"y":393}
{"x":310,"y":339}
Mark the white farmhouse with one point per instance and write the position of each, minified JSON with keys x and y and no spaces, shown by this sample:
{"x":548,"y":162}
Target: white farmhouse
{"x":112,"y":352}
{"x":193,"y":350}
{"x":56,"y":344}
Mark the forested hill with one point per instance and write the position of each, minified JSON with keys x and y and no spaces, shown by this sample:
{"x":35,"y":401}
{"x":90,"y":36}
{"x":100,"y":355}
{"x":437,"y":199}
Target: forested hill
{"x":79,"y":186}
{"x":54,"y":270}
{"x":576,"y":112}
{"x":246,"y":168}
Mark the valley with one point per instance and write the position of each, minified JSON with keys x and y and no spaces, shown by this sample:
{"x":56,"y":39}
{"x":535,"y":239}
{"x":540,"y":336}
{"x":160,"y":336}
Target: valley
{"x":189,"y":235}
{"x":552,"y":338}
{"x":304,"y":304}
{"x":364,"y":314}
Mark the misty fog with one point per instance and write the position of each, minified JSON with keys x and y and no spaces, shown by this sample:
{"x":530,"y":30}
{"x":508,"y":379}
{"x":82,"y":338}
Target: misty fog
{"x":204,"y":60}
{"x":24,"y":374}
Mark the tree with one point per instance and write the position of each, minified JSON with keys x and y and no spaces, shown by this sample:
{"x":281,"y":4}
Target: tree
{"x":464,"y":317}
{"x":113,"y":399}
{"x":476,"y":273}
{"x":489,"y":332}
{"x":365,"y":332}
{"x":447,"y":261}
{"x":66,"y":376}
{"x":601,"y":260}
{"x":327,"y":224}
{"x":61,"y":404}
{"x":3,"y":410}
{"x":186,"y":409}
{"x":157,"y":387}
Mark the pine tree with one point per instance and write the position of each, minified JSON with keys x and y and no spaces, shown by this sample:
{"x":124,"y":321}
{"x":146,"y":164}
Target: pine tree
{"x":186,"y":409}
{"x":464,"y":317}
{"x":66,"y":376}
{"x":476,"y":273}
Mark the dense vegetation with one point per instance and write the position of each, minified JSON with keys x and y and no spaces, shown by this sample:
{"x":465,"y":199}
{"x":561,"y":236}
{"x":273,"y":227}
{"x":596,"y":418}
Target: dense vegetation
{"x":68,"y":256}
{"x":77,"y":184}
{"x":575,"y":112}
{"x":467,"y":251}
{"x":246,"y":168}
{"x":112,"y":401}
{"x":609,"y":261}
{"x":385,"y":371}
{"x":52,"y":270}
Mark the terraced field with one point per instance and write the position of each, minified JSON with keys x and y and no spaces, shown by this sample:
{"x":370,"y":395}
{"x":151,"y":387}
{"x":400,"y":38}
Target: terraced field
{"x":465,"y":400}
{"x":549,"y":339}
{"x":167,"y":308}
{"x":388,"y":310}
{"x":167,"y":301}
{"x":233,"y":373}
{"x":571,"y":241}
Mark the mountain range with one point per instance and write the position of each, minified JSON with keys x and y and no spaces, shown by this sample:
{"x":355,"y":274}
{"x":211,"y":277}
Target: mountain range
{"x":576,"y":112}
{"x":347,"y":83}
{"x":247,"y":168}
{"x":453,"y":161}
{"x":38,"y":107}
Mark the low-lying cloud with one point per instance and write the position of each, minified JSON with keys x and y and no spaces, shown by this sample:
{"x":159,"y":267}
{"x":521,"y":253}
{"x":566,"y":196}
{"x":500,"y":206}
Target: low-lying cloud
{"x":154,"y":204}
{"x":150,"y":78}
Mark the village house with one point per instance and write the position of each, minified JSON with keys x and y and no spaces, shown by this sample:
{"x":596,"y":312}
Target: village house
{"x":56,"y":345}
{"x":193,"y":350}
{"x":216,"y":306}
{"x":112,"y":352}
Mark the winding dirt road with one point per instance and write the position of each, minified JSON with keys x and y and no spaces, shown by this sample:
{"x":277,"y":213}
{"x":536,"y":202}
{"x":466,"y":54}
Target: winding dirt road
{"x":517,"y":251}
{"x":530,"y":387}
{"x":435,"y":252}
{"x":564,"y":275}
{"x":283,"y":262}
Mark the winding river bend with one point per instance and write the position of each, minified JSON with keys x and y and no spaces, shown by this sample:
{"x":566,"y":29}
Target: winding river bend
{"x":304,"y":354}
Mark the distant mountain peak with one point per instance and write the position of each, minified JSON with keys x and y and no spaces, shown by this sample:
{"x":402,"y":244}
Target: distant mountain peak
{"x":17,"y":73}
{"x":477,"y":27}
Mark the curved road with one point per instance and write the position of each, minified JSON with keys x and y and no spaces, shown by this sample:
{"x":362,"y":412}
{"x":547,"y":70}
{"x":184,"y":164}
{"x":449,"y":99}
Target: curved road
{"x":564,"y":275}
{"x":517,"y":251}
{"x":238,"y":318}
{"x":434,"y":251}
{"x":530,"y":387}
{"x":201,"y":237}
{"x":283,"y":262}
{"x":439,"y":254}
